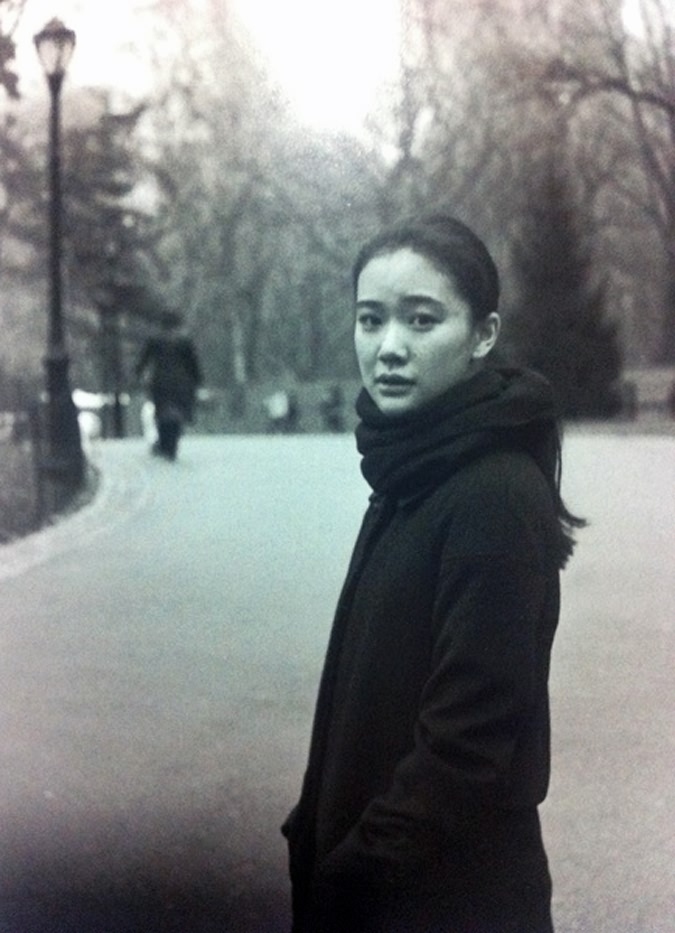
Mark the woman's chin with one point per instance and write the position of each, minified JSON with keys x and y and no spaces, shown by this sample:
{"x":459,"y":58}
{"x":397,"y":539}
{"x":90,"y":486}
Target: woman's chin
{"x":396,"y":404}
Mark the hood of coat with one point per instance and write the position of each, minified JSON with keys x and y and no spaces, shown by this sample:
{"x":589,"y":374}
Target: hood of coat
{"x":501,"y":408}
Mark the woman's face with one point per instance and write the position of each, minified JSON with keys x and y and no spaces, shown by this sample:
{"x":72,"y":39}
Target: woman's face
{"x":415,"y":335}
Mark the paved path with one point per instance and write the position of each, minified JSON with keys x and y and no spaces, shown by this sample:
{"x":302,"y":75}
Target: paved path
{"x":159,"y":660}
{"x":610,"y":815}
{"x":159,"y":657}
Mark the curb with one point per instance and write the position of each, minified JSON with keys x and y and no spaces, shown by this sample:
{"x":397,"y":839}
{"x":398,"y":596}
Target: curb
{"x":123,"y":487}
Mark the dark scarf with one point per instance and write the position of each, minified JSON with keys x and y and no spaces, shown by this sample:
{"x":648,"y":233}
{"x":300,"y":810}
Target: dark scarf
{"x":404,"y":456}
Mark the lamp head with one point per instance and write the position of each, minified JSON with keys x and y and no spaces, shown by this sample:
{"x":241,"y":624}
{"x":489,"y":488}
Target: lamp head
{"x":55,"y":44}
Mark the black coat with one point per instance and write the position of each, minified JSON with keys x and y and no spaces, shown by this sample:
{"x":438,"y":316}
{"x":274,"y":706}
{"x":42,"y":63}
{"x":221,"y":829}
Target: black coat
{"x":173,"y":374}
{"x":430,"y":747}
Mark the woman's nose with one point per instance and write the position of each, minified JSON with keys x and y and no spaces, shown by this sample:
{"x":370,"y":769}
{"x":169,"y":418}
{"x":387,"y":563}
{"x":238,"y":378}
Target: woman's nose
{"x":392,"y":344}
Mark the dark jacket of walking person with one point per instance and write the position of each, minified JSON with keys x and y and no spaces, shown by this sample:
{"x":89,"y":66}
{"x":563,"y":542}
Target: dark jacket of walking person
{"x":430,"y":746}
{"x":171,"y":368}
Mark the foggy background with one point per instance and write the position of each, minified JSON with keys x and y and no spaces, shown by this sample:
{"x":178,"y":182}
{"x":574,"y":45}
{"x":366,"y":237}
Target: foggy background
{"x":224,"y":159}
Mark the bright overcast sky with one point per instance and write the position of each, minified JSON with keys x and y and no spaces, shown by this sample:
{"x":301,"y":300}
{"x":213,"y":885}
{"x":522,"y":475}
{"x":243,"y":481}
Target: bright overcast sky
{"x":329,"y":58}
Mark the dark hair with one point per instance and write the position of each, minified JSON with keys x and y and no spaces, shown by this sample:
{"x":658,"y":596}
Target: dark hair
{"x":452,"y":247}
{"x":549,"y":458}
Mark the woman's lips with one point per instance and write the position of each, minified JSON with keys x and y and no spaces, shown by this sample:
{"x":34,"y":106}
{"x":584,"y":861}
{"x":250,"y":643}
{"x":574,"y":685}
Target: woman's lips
{"x":393,"y":384}
{"x":393,"y":380}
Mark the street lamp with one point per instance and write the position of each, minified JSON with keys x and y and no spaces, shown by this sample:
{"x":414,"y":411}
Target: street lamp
{"x":55,"y":46}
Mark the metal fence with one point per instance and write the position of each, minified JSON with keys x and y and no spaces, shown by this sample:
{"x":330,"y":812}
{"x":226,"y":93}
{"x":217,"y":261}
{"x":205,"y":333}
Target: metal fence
{"x":24,"y":503}
{"x":29,"y":495}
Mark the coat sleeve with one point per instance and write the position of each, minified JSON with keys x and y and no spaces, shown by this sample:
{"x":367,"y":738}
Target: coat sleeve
{"x":191,"y":362}
{"x":488,"y":657}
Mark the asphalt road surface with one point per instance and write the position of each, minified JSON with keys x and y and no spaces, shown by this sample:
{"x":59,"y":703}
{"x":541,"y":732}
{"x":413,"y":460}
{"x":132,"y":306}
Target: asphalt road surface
{"x":159,"y":658}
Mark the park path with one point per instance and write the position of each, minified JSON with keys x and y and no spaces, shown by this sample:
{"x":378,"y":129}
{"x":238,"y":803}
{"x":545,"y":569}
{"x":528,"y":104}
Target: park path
{"x":160,"y":653}
{"x":610,"y":815}
{"x":159,"y":657}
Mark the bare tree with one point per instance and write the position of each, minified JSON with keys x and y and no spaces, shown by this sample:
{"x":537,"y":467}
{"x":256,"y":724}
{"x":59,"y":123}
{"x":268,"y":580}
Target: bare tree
{"x":626,"y":81}
{"x":10,"y":15}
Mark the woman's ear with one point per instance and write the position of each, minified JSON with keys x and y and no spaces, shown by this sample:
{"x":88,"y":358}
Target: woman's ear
{"x":487,"y":332}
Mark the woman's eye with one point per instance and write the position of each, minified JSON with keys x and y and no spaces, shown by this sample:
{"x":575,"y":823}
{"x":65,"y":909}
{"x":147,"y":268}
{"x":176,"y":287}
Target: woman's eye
{"x":422,"y":320}
{"x":368,"y":321}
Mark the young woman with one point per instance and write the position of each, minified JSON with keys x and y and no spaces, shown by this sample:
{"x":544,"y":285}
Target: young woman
{"x":430,"y":746}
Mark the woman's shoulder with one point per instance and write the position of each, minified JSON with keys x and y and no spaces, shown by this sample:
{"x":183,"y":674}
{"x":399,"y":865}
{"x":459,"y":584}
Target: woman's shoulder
{"x":499,"y":472}
{"x":504,"y":468}
{"x":500,"y":502}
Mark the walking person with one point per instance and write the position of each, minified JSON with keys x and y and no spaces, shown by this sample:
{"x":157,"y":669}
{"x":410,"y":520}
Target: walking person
{"x":430,"y":746}
{"x":171,"y":370}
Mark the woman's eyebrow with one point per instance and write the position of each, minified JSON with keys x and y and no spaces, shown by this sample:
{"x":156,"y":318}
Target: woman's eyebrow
{"x":426,"y":300}
{"x":405,"y":301}
{"x":369,"y":303}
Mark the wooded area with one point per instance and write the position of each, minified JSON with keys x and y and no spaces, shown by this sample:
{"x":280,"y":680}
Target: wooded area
{"x":547,"y":125}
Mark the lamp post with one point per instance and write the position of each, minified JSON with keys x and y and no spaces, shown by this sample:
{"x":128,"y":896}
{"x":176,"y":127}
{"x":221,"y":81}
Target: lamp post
{"x":55,"y":46}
